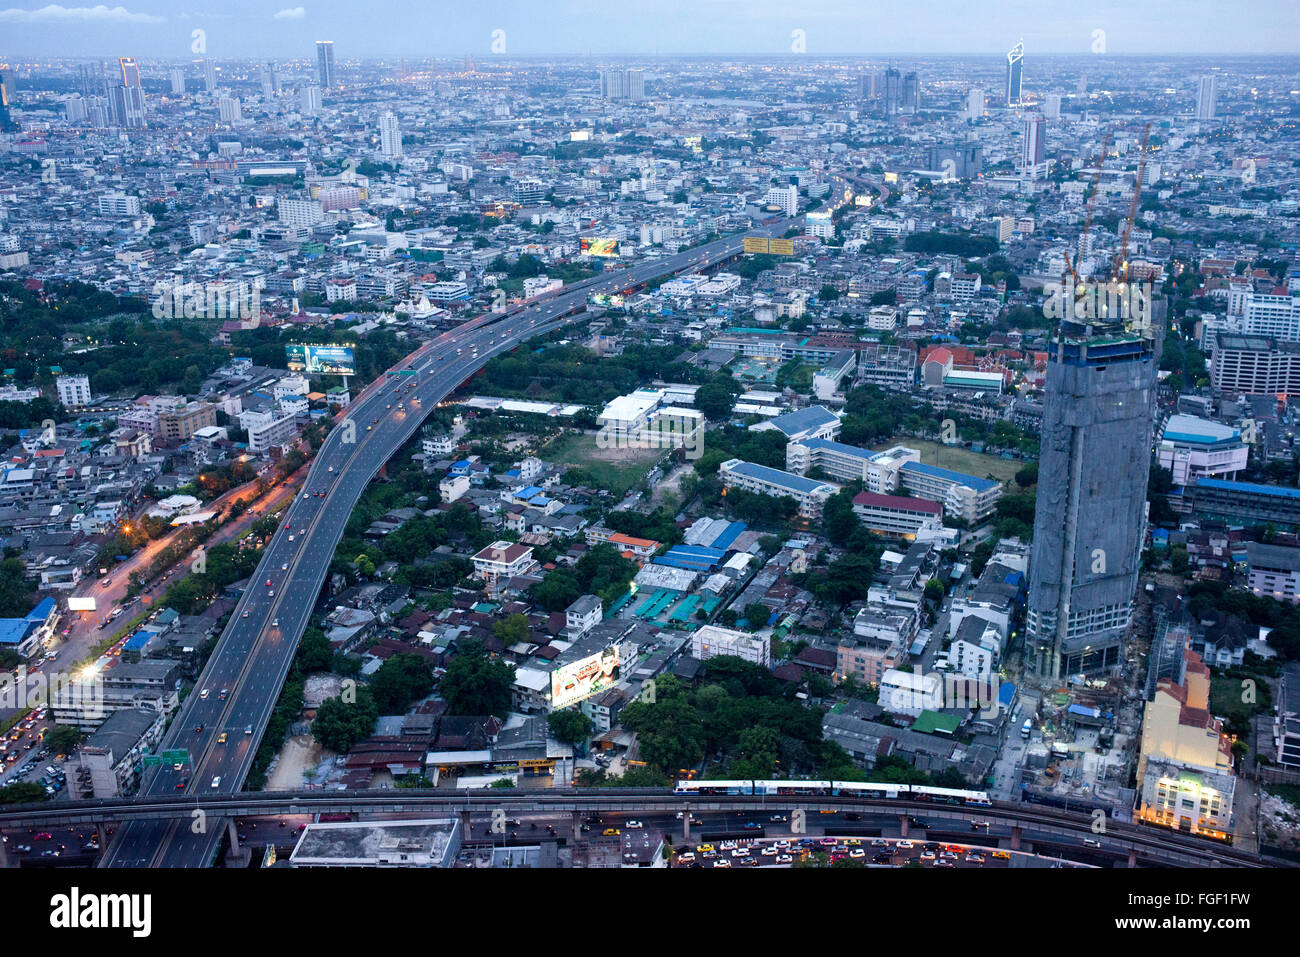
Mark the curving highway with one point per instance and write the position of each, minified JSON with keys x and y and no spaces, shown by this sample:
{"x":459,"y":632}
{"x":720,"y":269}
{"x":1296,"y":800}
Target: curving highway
{"x":222,"y":721}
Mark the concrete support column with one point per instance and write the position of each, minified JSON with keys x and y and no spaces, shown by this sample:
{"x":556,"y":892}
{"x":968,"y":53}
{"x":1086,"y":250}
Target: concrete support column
{"x":102,"y":833}
{"x":903,"y":824}
{"x":232,"y":833}
{"x":1132,"y":857}
{"x":577,"y":826}
{"x":466,"y":829}
{"x":686,"y":823}
{"x":1015,"y":837}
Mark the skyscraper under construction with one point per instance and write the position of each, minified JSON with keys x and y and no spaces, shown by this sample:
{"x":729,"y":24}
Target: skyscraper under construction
{"x":1090,"y":516}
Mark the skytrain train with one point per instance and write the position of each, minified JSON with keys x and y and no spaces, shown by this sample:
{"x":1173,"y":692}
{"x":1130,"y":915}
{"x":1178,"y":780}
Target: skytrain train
{"x":913,"y":792}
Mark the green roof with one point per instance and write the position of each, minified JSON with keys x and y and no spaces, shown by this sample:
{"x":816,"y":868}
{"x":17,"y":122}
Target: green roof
{"x":931,"y":722}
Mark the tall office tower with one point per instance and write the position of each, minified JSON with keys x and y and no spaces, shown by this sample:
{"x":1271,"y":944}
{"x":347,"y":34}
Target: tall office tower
{"x":311,"y":104}
{"x":910,"y":95}
{"x":1083,"y":85}
{"x":209,"y":75}
{"x":893,"y":91}
{"x":178,"y":81}
{"x":86,"y":81}
{"x":975,"y":103}
{"x":1035,"y":146}
{"x":130,"y":71}
{"x":1053,"y":110}
{"x":1207,"y":93}
{"x":390,"y":135}
{"x":270,"y":79}
{"x":867,"y":84}
{"x":325,"y":63}
{"x":964,"y":162}
{"x":1092,"y":483}
{"x":232,"y":111}
{"x":8,"y":90}
{"x":1015,"y":73}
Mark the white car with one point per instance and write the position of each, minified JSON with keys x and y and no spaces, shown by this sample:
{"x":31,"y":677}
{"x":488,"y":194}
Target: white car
{"x":216,"y":782}
{"x":634,"y":825}
{"x":203,"y":693}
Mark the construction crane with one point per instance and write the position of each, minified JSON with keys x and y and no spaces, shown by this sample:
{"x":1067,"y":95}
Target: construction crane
{"x":1119,"y":265}
{"x":1087,"y":222}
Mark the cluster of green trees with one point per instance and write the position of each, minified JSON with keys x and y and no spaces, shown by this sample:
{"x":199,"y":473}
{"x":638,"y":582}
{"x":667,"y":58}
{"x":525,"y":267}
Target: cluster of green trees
{"x":572,"y":373}
{"x":966,"y":245}
{"x":601,"y":570}
{"x":476,"y":683}
{"x":225,"y":565}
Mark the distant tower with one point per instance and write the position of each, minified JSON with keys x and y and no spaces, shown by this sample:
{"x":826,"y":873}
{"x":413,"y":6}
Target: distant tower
{"x":209,"y":75}
{"x":1015,"y":73}
{"x":1207,"y":95}
{"x":177,"y":76}
{"x":975,"y":103}
{"x":1090,"y":517}
{"x":1053,"y":108}
{"x":131,"y":94}
{"x":1035,"y":150}
{"x":893,"y":91}
{"x":390,"y":135}
{"x":311,"y":103}
{"x":325,"y":75}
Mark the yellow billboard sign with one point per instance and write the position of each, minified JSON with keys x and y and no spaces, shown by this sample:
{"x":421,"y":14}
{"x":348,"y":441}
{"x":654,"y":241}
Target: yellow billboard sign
{"x":755,"y":244}
{"x":781,"y":247}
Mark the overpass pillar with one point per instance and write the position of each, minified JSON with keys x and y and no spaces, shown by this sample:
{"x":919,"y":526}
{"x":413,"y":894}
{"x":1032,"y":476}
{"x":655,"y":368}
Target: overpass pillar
{"x":1132,"y":857}
{"x":466,"y":829}
{"x":1015,"y":837}
{"x":5,"y":860}
{"x":577,"y":827}
{"x":101,"y":832}
{"x":686,"y":822}
{"x":902,"y":824}
{"x":232,"y":833}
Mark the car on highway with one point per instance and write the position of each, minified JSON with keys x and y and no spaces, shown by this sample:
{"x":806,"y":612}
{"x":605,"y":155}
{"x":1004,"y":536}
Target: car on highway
{"x":611,"y":832}
{"x":203,"y":693}
{"x":634,"y":825}
{"x":244,"y":615}
{"x":222,"y":695}
{"x":216,"y":781}
{"x":180,"y":785}
{"x":198,"y":729}
{"x":248,"y":729}
{"x":275,"y":622}
{"x":221,"y":739}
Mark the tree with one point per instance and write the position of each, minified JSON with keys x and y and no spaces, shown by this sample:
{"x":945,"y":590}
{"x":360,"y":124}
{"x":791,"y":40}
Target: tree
{"x":511,"y":630}
{"x":934,"y":590}
{"x":757,"y":615}
{"x":399,"y":681}
{"x":476,"y":684}
{"x":339,"y":725}
{"x":62,"y":739}
{"x":22,"y":792}
{"x":715,"y":400}
{"x":1028,"y":475}
{"x":570,"y":726}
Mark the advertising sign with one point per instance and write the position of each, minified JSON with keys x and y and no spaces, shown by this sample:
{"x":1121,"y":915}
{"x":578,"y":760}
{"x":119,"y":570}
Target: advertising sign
{"x":755,"y":244}
{"x":781,"y":247}
{"x":81,"y":604}
{"x":581,"y":679}
{"x":597,"y":246}
{"x":320,"y":360}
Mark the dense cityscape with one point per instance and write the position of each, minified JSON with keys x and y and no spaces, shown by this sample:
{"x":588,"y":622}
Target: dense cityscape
{"x":648,"y":461}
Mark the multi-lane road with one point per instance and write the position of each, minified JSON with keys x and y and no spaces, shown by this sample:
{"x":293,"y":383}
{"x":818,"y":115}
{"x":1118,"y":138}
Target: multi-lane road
{"x":221,"y":722}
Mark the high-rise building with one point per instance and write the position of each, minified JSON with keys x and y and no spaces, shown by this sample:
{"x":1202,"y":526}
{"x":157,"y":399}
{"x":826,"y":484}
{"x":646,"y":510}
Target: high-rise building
{"x":1034,"y":150}
{"x":311,"y":103}
{"x":209,"y":75}
{"x":974,"y":103}
{"x":1090,"y":516}
{"x":893,"y":91}
{"x":1015,"y":73}
{"x":270,"y":79}
{"x":231,"y":109}
{"x":8,"y":89}
{"x":1207,"y":94}
{"x":390,"y":135}
{"x":130,"y":71}
{"x":622,"y":85}
{"x":964,"y":162}
{"x":177,"y":76}
{"x":910,"y":94}
{"x":325,"y":75}
{"x":1053,"y":108}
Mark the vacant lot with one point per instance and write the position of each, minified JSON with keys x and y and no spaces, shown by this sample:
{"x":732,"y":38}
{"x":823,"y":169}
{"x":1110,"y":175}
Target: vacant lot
{"x":961,"y":460}
{"x":614,"y":469}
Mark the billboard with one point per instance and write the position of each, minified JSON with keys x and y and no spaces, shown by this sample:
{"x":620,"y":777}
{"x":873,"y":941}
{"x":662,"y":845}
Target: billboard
{"x":583,"y":678}
{"x":81,"y":604}
{"x":597,"y":246}
{"x":781,"y":247}
{"x":320,"y":360}
{"x":755,"y":244}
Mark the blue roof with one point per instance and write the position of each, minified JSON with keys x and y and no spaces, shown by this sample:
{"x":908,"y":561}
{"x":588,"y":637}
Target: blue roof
{"x":838,"y":447}
{"x":41,"y":611}
{"x":529,"y":492}
{"x":1006,"y":693}
{"x":804,"y":419}
{"x":728,"y":536}
{"x":795,"y":483}
{"x":1227,"y":486}
{"x":137,"y":641}
{"x":12,"y":631}
{"x":960,"y":478}
{"x":1083,"y":711}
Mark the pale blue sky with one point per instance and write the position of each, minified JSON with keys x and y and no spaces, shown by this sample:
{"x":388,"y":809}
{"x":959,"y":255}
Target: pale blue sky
{"x":414,"y":28}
